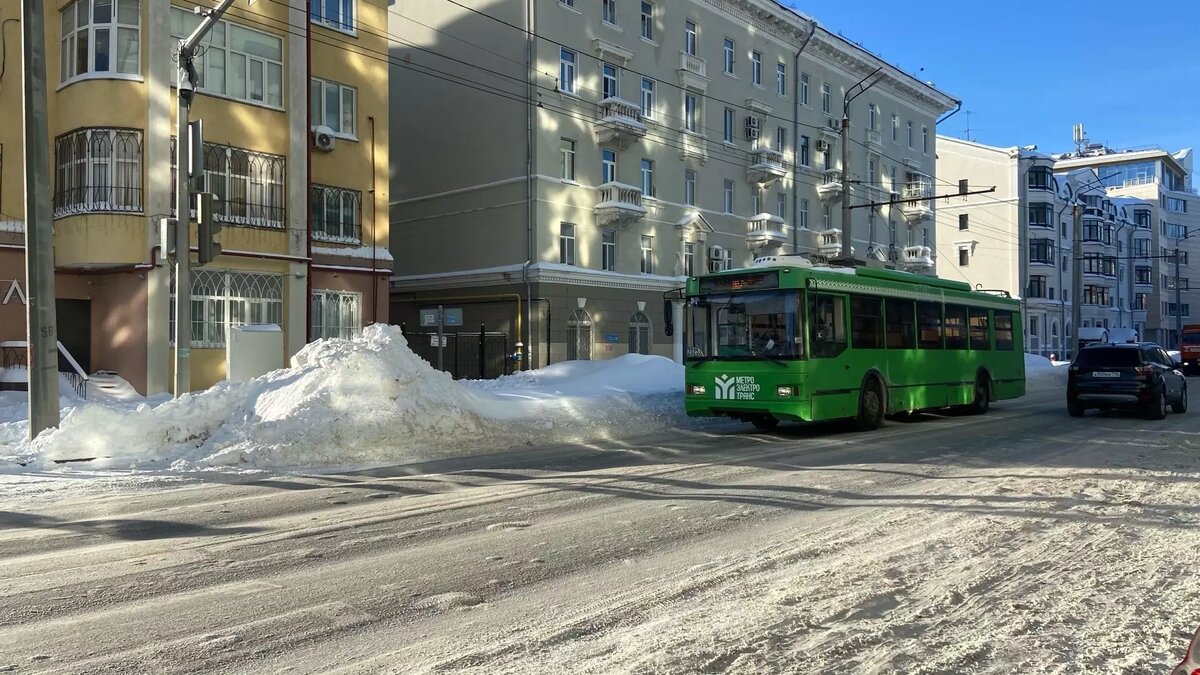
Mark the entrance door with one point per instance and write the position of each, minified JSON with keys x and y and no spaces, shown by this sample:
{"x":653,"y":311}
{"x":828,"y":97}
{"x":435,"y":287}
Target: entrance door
{"x":75,"y":330}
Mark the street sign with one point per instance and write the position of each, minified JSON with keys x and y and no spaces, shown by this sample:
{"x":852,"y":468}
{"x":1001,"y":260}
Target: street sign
{"x":451,"y":316}
{"x":434,"y":342}
{"x":612,"y":337}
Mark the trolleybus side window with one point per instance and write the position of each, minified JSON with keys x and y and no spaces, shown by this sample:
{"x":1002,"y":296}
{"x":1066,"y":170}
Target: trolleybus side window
{"x":929,"y":316}
{"x":827,"y":325}
{"x":1004,"y":331}
{"x":866,"y":321}
{"x":979,"y":329}
{"x":901,"y":324}
{"x":956,"y":327}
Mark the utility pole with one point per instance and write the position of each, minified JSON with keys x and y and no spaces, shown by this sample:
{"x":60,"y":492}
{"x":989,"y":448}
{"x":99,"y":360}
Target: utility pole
{"x":1178,"y":299}
{"x":1076,"y":273}
{"x":846,"y":256}
{"x":40,"y":320}
{"x":183,"y":169}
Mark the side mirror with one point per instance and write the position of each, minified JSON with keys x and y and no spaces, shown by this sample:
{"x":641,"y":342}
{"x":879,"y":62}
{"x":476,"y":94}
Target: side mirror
{"x":668,"y":317}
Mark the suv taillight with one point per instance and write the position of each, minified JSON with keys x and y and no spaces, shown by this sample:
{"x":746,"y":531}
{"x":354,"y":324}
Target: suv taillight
{"x":1143,"y":371}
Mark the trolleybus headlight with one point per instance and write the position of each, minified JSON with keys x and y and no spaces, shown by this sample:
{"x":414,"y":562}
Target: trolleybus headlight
{"x":696,"y":390}
{"x":785,"y":392}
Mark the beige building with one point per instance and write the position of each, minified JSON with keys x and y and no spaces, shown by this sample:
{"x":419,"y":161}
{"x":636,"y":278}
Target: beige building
{"x":649,"y":141}
{"x":302,"y":212}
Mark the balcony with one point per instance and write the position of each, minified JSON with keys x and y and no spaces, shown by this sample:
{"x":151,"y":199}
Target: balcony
{"x":694,"y":146}
{"x":831,"y":185}
{"x":765,"y":230}
{"x":831,"y":243}
{"x":620,"y":123}
{"x":915,"y":212}
{"x":874,"y":140}
{"x":917,"y":258}
{"x":766,"y":166}
{"x":693,"y":72}
{"x":620,"y":205}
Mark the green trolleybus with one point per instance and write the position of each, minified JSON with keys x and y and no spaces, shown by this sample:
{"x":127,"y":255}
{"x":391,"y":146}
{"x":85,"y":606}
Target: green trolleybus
{"x":787,"y":340}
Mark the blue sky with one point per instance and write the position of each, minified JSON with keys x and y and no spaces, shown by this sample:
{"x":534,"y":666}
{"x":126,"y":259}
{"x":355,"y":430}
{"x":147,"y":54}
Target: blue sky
{"x":1029,"y":70}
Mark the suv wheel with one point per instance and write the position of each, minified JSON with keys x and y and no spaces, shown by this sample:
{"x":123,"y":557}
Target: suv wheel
{"x":1180,"y":406}
{"x":1157,"y":409}
{"x":1075,"y":408}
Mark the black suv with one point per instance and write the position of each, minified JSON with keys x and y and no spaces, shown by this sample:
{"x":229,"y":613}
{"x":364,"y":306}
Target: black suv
{"x":1138,"y":376}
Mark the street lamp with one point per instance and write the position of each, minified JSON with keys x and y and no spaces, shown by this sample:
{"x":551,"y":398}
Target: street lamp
{"x":847,"y":253}
{"x":1076,"y":245}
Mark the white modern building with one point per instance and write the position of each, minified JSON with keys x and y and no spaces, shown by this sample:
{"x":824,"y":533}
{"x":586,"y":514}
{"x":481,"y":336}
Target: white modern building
{"x":558,"y":170}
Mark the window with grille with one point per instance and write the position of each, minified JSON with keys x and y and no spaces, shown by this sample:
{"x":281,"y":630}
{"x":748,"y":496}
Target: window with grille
{"x":249,"y":186}
{"x":579,"y":336}
{"x":223,"y":298}
{"x":639,"y":334}
{"x":336,"y":214}
{"x":98,"y":170}
{"x":336,"y":314}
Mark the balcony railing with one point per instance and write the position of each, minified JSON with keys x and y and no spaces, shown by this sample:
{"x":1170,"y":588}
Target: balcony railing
{"x":620,"y":122}
{"x":765,"y":229}
{"x":620,"y":205}
{"x":915,"y":212}
{"x":98,"y":170}
{"x":250,"y":187}
{"x":831,"y":243}
{"x":766,"y":166}
{"x":693,"y":64}
{"x":831,"y":185}
{"x":920,"y":257}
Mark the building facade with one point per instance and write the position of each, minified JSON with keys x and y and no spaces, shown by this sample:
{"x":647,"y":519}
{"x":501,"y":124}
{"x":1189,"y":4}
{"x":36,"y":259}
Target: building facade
{"x":649,"y":141}
{"x":303,"y":223}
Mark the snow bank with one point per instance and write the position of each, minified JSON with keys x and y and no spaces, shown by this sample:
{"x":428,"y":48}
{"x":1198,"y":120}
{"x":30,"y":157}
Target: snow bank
{"x":1041,"y":370}
{"x":368,"y":400}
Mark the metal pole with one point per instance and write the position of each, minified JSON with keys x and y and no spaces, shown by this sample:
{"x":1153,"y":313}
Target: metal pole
{"x":847,"y":252}
{"x":40,"y":319}
{"x":183,"y":218}
{"x":1178,"y":299}
{"x":1076,"y":275}
{"x":441,"y":319}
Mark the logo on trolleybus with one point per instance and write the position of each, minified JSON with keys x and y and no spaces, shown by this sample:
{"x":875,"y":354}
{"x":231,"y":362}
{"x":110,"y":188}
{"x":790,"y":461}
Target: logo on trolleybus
{"x":740,"y":388}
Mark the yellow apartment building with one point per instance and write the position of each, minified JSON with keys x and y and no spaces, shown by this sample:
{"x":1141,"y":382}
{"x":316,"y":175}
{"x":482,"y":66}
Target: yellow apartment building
{"x":294,"y":103}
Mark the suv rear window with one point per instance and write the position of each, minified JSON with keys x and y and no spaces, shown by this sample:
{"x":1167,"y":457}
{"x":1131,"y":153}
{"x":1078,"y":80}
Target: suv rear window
{"x":1108,"y":357}
{"x":1191,"y":338}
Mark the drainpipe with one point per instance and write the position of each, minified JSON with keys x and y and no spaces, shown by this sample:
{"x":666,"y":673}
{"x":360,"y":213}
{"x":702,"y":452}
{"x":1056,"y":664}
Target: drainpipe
{"x":527,"y":337}
{"x":308,"y":281}
{"x":374,"y":241}
{"x":952,"y":113}
{"x":812,"y":30}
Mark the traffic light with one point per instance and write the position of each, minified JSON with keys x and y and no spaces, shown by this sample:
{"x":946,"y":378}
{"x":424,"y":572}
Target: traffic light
{"x":208,"y":228}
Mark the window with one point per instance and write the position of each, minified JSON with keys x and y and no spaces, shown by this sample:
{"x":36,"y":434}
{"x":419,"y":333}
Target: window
{"x":781,"y":79}
{"x":728,"y":196}
{"x":980,"y":339}
{"x":1041,"y":251}
{"x":1142,"y":274}
{"x":872,"y":163}
{"x":1041,"y":215}
{"x":1141,"y":248}
{"x":647,"y":178}
{"x":1064,"y":263}
{"x":689,"y":187}
{"x":781,"y":205}
{"x":1041,"y":178}
{"x":826,"y":99}
{"x":756,"y":68}
{"x":757,"y":202}
{"x":925,"y":140}
{"x":608,"y":250}
{"x":804,"y":88}
{"x":781,"y":139}
{"x":336,"y":314}
{"x":336,"y":214}
{"x":691,"y":113}
{"x":98,"y":170}
{"x":929,"y":317}
{"x":1037,"y":286}
{"x":956,"y":327}
{"x":1033,"y":326}
{"x":729,"y":51}
{"x":804,"y":152}
{"x":608,"y":83}
{"x":609,"y":11}
{"x":895,"y":128}
{"x":1175,"y":205}
{"x":827,"y":216}
{"x":827,"y":325}
{"x":872,"y":117}
{"x":238,"y":63}
{"x":803,"y":215}
{"x":249,"y":186}
{"x":647,"y":98}
{"x":901,"y":324}
{"x":1095,"y":295}
{"x":689,"y":37}
{"x":579,"y":336}
{"x":964,"y":256}
{"x":689,"y":258}
{"x":964,"y":221}
{"x":221,"y":299}
{"x":100,"y":37}
{"x":1142,"y":219}
{"x":566,"y":243}
{"x":568,"y":159}
{"x":1173,"y":231}
{"x":866,"y":322}
{"x":647,"y":254}
{"x":727,"y":128}
{"x":648,"y":20}
{"x":639,"y":334}
{"x":566,"y":71}
{"x":1004,"y":331}
{"x":910,"y":135}
{"x":608,"y":166}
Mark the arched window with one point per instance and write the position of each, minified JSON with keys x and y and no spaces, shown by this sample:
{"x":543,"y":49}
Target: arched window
{"x":639,"y":334}
{"x":579,"y":336}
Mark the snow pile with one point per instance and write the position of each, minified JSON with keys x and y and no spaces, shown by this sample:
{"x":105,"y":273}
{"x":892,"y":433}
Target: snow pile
{"x":369,"y":400}
{"x":1041,"y":370}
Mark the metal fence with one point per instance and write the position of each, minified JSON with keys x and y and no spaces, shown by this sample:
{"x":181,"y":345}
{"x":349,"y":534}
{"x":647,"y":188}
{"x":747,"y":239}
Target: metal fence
{"x":478,"y":355}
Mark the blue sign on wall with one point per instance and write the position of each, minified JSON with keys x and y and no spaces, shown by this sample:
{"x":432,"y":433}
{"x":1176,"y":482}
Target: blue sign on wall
{"x":612,"y":337}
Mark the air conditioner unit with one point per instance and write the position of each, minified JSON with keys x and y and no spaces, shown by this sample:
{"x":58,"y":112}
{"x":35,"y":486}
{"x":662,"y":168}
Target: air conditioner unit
{"x":835,"y":123}
{"x":895,"y":196}
{"x":716,"y":266}
{"x":822,"y":145}
{"x":752,"y":128}
{"x":716,"y":253}
{"x":322,"y":139}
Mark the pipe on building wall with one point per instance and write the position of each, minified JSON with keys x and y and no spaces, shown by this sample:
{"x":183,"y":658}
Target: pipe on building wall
{"x":952,"y":113}
{"x":374,"y":240}
{"x":812,"y":30}
{"x":308,"y":283}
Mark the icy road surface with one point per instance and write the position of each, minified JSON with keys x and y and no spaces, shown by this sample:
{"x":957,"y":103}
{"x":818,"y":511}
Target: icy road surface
{"x":1024,"y":541}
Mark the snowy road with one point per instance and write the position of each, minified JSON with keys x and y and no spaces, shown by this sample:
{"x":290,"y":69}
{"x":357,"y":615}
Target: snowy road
{"x":1024,"y":541}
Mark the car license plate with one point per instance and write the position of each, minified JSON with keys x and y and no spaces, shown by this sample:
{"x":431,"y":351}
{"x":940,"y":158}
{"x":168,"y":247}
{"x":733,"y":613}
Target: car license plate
{"x":1105,"y":374}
